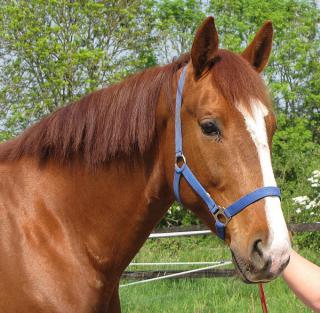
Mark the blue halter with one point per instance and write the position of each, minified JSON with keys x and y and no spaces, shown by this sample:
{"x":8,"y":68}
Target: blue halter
{"x":222,"y":216}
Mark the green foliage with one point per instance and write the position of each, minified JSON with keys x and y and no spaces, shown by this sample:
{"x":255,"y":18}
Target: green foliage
{"x":293,"y":71}
{"x":55,"y":51}
{"x":176,"y":23}
{"x":293,"y":149}
{"x":177,"y":216}
{"x":308,"y":210}
{"x":295,"y":156}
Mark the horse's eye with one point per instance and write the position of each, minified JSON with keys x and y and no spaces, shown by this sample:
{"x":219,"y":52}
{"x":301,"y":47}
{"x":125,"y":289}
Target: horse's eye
{"x":210,"y":128}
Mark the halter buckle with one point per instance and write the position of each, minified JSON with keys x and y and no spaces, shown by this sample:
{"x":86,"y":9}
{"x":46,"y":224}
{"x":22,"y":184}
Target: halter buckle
{"x":220,"y":215}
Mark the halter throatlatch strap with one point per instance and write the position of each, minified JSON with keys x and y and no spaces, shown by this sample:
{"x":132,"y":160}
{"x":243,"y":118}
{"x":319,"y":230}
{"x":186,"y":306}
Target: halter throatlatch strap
{"x":222,"y":216}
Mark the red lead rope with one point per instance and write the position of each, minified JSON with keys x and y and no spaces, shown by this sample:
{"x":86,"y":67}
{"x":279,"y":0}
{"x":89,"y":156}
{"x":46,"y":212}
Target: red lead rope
{"x":263,"y":299}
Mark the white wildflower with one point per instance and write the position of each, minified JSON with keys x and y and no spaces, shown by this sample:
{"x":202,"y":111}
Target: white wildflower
{"x":314,"y":179}
{"x":316,"y":173}
{"x":311,"y":205}
{"x":302,"y":200}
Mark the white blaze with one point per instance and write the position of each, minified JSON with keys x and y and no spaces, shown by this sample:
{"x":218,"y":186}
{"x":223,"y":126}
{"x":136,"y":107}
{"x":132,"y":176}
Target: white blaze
{"x":278,"y":242}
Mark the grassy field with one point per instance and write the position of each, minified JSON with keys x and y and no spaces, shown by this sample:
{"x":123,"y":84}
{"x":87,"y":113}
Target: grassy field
{"x":202,"y":295}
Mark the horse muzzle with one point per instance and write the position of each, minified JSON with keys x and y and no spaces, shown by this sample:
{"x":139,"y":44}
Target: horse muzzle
{"x":261,"y":265}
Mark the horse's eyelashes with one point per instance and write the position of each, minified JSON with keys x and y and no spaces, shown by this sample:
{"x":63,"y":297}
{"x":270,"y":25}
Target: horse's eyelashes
{"x":210,"y":128}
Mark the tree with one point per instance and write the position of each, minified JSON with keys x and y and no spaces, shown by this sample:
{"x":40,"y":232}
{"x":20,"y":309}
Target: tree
{"x":293,"y":73}
{"x":53,"y":51}
{"x":295,"y":156}
{"x":176,"y":22}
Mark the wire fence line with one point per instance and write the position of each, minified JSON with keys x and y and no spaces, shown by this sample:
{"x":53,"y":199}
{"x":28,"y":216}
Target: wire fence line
{"x":180,"y":234}
{"x":175,"y":275}
{"x":208,"y":271}
{"x":199,"y":230}
{"x":172,"y":263}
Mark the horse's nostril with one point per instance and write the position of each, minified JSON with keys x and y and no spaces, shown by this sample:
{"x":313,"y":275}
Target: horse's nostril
{"x":259,"y":260}
{"x":257,"y":248}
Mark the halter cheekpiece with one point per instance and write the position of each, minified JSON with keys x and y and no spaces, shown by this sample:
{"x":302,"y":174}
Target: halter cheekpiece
{"x":222,"y":216}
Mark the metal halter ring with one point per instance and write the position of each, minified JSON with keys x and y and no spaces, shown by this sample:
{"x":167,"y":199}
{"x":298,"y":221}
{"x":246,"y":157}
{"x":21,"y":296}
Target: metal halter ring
{"x":180,"y":158}
{"x":220,"y":216}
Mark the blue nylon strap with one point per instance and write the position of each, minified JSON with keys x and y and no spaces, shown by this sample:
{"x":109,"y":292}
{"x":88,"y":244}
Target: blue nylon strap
{"x":178,"y":130}
{"x":244,"y":202}
{"x":176,"y":185}
{"x":182,"y":169}
{"x":220,"y":229}
{"x":250,"y":198}
{"x":196,"y":186}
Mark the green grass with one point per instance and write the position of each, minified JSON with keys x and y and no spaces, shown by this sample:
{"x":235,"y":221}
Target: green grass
{"x":206,"y":294}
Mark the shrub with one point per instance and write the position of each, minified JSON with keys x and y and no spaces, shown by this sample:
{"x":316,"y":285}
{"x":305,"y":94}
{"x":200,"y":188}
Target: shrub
{"x":307,"y":209}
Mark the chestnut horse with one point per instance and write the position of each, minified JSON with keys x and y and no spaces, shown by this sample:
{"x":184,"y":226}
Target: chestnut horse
{"x":82,"y":189}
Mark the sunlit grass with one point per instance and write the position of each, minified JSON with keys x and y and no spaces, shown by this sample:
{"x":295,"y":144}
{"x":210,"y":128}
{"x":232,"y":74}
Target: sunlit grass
{"x":207,"y":295}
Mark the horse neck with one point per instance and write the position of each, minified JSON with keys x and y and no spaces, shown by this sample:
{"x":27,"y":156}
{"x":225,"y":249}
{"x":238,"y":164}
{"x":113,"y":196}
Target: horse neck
{"x":114,"y":208}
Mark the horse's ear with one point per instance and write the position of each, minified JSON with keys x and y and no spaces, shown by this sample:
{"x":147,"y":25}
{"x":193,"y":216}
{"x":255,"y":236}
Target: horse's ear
{"x":258,"y":52}
{"x":205,"y":45}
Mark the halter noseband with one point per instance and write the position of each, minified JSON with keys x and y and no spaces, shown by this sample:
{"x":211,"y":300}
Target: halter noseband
{"x":221,"y":215}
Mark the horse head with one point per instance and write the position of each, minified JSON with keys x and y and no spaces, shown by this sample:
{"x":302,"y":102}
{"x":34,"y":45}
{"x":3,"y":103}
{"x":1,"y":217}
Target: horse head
{"x":227,"y":127}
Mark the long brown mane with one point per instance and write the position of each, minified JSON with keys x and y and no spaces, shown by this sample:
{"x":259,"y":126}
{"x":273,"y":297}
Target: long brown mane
{"x":112,"y":121}
{"x":120,"y":119}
